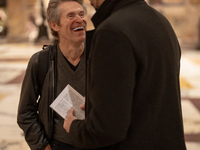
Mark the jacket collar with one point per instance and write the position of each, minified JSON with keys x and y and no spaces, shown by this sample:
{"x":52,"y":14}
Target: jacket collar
{"x":107,"y":8}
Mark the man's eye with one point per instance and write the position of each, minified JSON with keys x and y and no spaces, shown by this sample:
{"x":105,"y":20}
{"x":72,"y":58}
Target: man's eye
{"x":82,"y":15}
{"x":70,"y":16}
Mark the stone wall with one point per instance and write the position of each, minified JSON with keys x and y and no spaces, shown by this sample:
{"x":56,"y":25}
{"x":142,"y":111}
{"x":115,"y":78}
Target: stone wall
{"x":184,"y":15}
{"x":19,"y":12}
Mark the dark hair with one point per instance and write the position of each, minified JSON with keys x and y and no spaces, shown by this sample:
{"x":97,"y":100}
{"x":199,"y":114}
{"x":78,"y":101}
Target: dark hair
{"x":53,"y":15}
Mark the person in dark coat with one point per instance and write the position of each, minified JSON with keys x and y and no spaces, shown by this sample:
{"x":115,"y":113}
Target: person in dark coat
{"x":65,"y":64}
{"x":133,"y":94}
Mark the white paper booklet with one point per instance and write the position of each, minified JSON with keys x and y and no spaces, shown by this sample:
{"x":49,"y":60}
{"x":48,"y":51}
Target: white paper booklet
{"x":67,"y":99}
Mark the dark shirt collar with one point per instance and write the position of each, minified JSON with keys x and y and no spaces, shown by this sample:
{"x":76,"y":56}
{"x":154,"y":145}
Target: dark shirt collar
{"x":107,"y":8}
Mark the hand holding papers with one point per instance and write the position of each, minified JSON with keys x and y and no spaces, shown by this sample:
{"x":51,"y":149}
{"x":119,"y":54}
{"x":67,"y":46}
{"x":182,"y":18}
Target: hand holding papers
{"x":67,"y":99}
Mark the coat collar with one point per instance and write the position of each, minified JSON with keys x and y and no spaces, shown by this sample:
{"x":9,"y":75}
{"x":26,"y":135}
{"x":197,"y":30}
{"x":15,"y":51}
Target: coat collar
{"x":107,"y":8}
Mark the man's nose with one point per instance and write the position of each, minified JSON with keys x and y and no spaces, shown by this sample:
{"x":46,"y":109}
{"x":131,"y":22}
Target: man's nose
{"x":78,"y":18}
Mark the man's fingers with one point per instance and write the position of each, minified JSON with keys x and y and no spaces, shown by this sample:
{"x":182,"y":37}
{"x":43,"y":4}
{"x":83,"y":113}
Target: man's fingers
{"x":71,"y":111}
{"x":82,"y":106}
{"x":68,"y":120}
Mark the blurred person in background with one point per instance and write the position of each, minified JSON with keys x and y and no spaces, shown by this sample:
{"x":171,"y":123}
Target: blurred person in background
{"x":65,"y":63}
{"x":3,"y":23}
{"x":133,"y":93}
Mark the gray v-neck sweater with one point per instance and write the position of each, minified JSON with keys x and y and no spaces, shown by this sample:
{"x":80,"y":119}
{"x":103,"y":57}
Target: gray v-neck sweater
{"x":65,"y":75}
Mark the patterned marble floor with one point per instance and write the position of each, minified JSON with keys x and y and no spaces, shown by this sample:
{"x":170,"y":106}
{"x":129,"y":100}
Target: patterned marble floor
{"x":13,"y":62}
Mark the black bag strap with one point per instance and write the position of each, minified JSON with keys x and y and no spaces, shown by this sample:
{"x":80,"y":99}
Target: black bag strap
{"x":43,"y":65}
{"x":45,"y":59}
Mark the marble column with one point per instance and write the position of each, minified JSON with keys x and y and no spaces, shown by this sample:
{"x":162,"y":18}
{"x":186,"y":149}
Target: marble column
{"x":17,"y":19}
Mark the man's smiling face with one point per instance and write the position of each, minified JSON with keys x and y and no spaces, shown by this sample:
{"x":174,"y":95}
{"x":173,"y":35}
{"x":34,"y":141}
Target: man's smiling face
{"x":73,"y":22}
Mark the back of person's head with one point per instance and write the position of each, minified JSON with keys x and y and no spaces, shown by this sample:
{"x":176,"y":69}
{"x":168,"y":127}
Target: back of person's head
{"x":53,"y":15}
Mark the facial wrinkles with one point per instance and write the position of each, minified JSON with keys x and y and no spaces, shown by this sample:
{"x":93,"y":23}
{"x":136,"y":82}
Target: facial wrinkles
{"x":79,"y":20}
{"x":76,"y":14}
{"x":71,"y":19}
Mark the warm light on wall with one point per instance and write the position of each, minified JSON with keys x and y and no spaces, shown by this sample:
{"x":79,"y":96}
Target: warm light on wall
{"x":90,"y":13}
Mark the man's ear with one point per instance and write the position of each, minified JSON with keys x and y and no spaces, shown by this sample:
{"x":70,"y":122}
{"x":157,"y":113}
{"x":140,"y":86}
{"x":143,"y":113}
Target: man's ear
{"x":54,"y":26}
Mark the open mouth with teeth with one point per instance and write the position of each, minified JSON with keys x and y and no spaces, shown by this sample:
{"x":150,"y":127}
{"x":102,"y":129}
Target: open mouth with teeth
{"x":78,"y":29}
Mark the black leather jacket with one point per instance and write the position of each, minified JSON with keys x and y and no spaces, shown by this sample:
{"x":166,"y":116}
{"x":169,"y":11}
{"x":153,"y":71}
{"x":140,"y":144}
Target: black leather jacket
{"x":34,"y":114}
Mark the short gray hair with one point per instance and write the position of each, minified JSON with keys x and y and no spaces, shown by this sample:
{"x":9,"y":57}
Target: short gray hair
{"x":53,"y":15}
